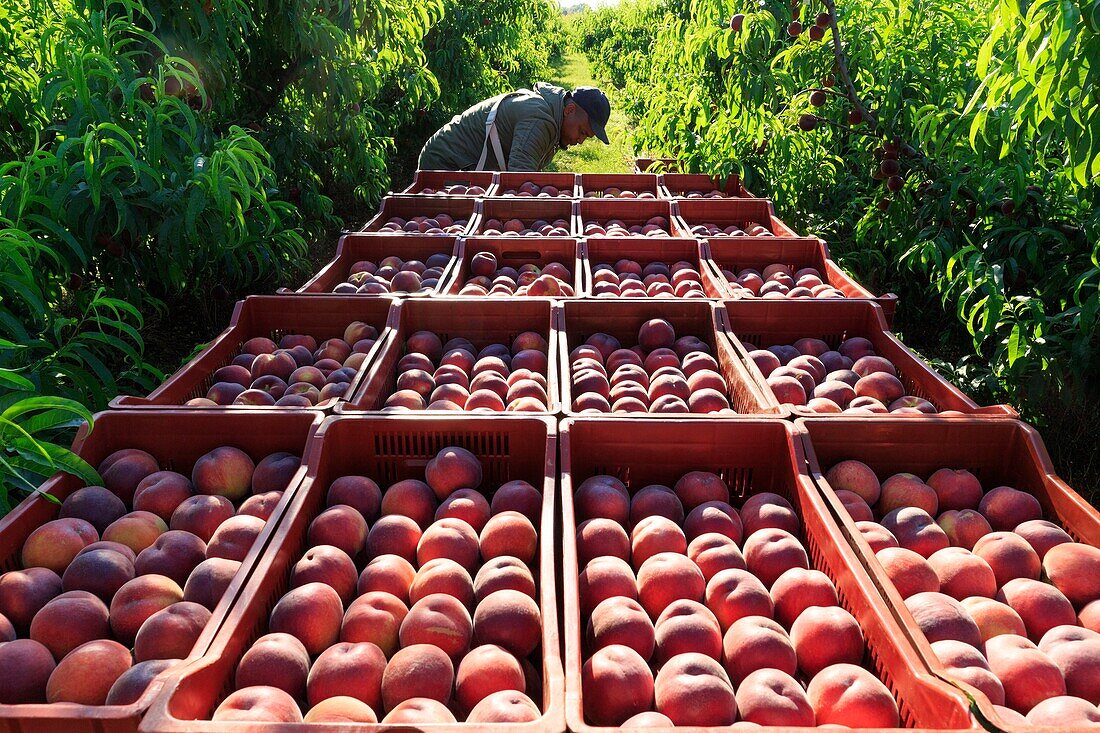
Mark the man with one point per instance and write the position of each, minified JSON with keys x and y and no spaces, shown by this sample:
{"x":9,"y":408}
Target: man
{"x":518,"y":131}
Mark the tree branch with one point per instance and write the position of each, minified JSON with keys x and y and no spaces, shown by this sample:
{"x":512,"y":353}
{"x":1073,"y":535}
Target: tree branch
{"x":842,"y":69}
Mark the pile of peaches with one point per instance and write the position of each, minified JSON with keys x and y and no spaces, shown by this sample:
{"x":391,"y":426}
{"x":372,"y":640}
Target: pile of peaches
{"x":121,"y":585}
{"x":614,"y":192}
{"x":417,"y":604}
{"x":1008,"y":600}
{"x":438,"y":224}
{"x":394,"y":275}
{"x":656,"y":226}
{"x":629,"y":279}
{"x":748,"y":229}
{"x":530,"y":189}
{"x":776,"y":281}
{"x":488,"y":278}
{"x":521,"y":228}
{"x":705,"y":615}
{"x":456,"y":189}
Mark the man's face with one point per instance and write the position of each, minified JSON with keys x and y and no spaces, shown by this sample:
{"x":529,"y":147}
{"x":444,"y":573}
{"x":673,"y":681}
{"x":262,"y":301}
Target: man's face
{"x":575,"y":127}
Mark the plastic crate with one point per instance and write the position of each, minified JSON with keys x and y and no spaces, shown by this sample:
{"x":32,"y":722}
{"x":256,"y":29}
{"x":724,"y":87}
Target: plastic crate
{"x":622,"y":317}
{"x":436,"y":180}
{"x":481,"y":320}
{"x":515,"y":252}
{"x":387,"y":449}
{"x":527,"y":210}
{"x":999,"y":452}
{"x":406,"y":207}
{"x":629,"y":211}
{"x":752,"y":457}
{"x":727,"y":212}
{"x":592,"y":185}
{"x":677,"y":185}
{"x":176,"y":438}
{"x":765,"y":323}
{"x":656,"y":165}
{"x":355,"y":246}
{"x":736,"y":253}
{"x":273,"y":316}
{"x":644,"y":250}
{"x":564,"y":182}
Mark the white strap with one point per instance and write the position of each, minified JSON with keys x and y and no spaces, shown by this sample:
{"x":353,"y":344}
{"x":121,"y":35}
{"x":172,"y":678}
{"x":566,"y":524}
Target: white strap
{"x":492,"y":136}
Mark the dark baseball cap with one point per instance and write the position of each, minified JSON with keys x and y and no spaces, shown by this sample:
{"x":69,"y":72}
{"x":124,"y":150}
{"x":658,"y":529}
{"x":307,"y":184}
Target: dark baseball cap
{"x":595,"y":103}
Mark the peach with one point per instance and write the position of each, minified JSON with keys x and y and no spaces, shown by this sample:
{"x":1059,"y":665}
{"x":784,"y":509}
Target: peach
{"x":442,"y":576}
{"x":275,"y":472}
{"x":698,"y":487}
{"x":132,"y":684}
{"x":767,"y":510}
{"x":86,"y":674}
{"x":341,"y":709}
{"x":95,"y":505}
{"x":686,"y":626}
{"x":1079,"y":661}
{"x":1074,"y":569}
{"x":329,"y":565}
{"x":438,"y":619}
{"x":908,"y":571}
{"x":466,"y":505}
{"x":733,"y":594}
{"x":235,"y":537}
{"x":417,"y":671}
{"x":1041,"y":606}
{"x":941,"y":617}
{"x":70,"y":620}
{"x":35,"y":665}
{"x":756,"y":642}
{"x":278,"y":660}
{"x":418,"y":710}
{"x":410,"y":498}
{"x":848,"y":695}
{"x":502,"y":573}
{"x":714,"y":516}
{"x":856,"y":507}
{"x":1063,"y":712}
{"x":666,"y":577}
{"x":1042,"y":535}
{"x":915,"y":530}
{"x":962,"y":574}
{"x":509,"y":533}
{"x":359,"y":492}
{"x":1009,"y":555}
{"x":7,"y":630}
{"x":694,"y":690}
{"x":222,"y":393}
{"x":170,"y":633}
{"x":202,"y":515}
{"x":261,"y":505}
{"x":1089,"y":616}
{"x":857,"y":477}
{"x":656,"y":333}
{"x":599,"y":537}
{"x":771,"y":697}
{"x":826,"y":635}
{"x":101,"y":572}
{"x":312,"y":613}
{"x":389,"y":573}
{"x":605,"y":577}
{"x":260,"y":704}
{"x":656,"y":500}
{"x":966,"y":664}
{"x":798,"y":589}
{"x":393,"y":535}
{"x":259,"y":345}
{"x":486,"y":670}
{"x":963,"y":527}
{"x":876,"y":536}
{"x":616,"y":684}
{"x":654,"y":535}
{"x":56,"y":543}
{"x":508,"y":618}
{"x":518,"y":496}
{"x":713,"y":553}
{"x":885,"y":388}
{"x":602,"y":496}
{"x":375,"y":616}
{"x":906,"y":490}
{"x":993,"y":617}
{"x":648,"y":719}
{"x":771,"y":552}
{"x":209,"y":580}
{"x":956,"y":489}
{"x":452,"y":469}
{"x":224,"y":471}
{"x":124,"y":469}
{"x":137,"y":530}
{"x":1006,"y":507}
{"x":622,"y":621}
{"x":139,"y":599}
{"x":405,"y":399}
{"x":452,"y":539}
{"x":1028,"y":675}
{"x":348,"y":670}
{"x":174,"y":554}
{"x":340,"y":526}
{"x":505,"y":706}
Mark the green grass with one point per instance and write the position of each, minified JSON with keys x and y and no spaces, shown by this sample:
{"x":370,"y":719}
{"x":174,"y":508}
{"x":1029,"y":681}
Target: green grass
{"x":593,"y":156}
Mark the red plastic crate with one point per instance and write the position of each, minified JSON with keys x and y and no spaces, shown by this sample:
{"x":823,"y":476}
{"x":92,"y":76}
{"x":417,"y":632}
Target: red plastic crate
{"x":564,"y":182}
{"x":481,"y":320}
{"x":727,"y":212}
{"x":592,"y":185}
{"x":751,"y":457}
{"x":527,"y":210}
{"x":656,"y":165}
{"x":736,"y":253}
{"x":388,"y":450}
{"x":764,"y":323}
{"x":436,"y":180}
{"x":629,"y":211}
{"x":320,"y":316}
{"x":356,"y":246}
{"x":406,"y":207}
{"x":644,"y":250}
{"x":514,"y":252}
{"x":999,"y":452}
{"x":177,"y":438}
{"x":622,"y":317}
{"x":677,"y":185}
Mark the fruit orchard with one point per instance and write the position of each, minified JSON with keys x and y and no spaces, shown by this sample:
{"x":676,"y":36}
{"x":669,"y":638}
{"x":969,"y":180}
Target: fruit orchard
{"x":948,"y":150}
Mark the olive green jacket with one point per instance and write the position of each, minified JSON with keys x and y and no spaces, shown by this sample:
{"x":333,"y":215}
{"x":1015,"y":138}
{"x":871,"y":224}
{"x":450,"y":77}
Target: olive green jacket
{"x":528,"y":122}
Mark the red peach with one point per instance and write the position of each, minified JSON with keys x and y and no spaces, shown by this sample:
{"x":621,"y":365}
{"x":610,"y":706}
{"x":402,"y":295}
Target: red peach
{"x":735,"y":593}
{"x":136,"y":530}
{"x":694,"y":690}
{"x":713,"y":553}
{"x":1064,"y":711}
{"x":209,"y":580}
{"x":602,"y":496}
{"x":69,"y":620}
{"x":417,"y":671}
{"x":202,"y":515}
{"x":654,"y":535}
{"x":174,"y":554}
{"x":278,"y":660}
{"x":139,"y":599}
{"x":35,"y":665}
{"x":376,"y":617}
{"x":798,"y":589}
{"x":1079,"y":662}
{"x":756,"y":642}
{"x":856,"y":477}
{"x":86,"y":674}
{"x":410,"y":498}
{"x":261,"y":505}
{"x":502,"y":573}
{"x":100,"y":572}
{"x":771,"y":552}
{"x":941,"y":617}
{"x":826,"y":635}
{"x":442,"y":576}
{"x":1005,"y":507}
{"x":1028,"y":675}
{"x":616,"y":684}
{"x":1009,"y":555}
{"x":124,"y":469}
{"x":508,"y":618}
{"x":771,"y":697}
{"x":171,"y":633}
{"x":698,"y":487}
{"x":506,"y":706}
{"x":132,"y":684}
{"x":909,"y":572}
{"x":519,"y":496}
{"x":224,"y":471}
{"x":93,"y":504}
{"x":1074,"y":569}
{"x":348,"y":670}
{"x":848,"y":695}
{"x":235,"y":537}
{"x":393,"y":535}
{"x":598,"y":537}
{"x":453,"y":539}
{"x":1042,"y":535}
{"x":767,"y":510}
{"x":312,"y":613}
{"x":509,"y":533}
{"x":993,"y":617}
{"x":389,"y":573}
{"x":484,"y":671}
{"x":876,"y":536}
{"x":56,"y":543}
{"x":1041,"y":606}
{"x":963,"y":527}
{"x":962,"y":574}
{"x":329,"y":565}
{"x":686,"y":626}
{"x":666,"y":577}
{"x":915,"y":530}
{"x":341,"y":709}
{"x":260,"y":704}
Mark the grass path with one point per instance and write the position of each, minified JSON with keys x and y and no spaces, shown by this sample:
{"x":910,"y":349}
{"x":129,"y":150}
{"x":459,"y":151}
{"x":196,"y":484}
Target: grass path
{"x":593,"y":156}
